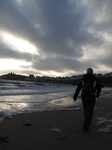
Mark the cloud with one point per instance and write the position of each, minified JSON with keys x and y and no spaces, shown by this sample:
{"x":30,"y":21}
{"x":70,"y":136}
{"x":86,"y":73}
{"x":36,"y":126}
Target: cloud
{"x":10,"y":53}
{"x":69,"y":34}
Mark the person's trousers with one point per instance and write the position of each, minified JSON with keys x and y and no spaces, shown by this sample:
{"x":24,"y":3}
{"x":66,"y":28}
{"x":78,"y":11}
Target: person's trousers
{"x":88,"y":105}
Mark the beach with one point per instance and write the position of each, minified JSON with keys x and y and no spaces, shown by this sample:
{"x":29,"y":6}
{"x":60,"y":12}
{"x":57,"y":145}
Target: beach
{"x":59,"y":129}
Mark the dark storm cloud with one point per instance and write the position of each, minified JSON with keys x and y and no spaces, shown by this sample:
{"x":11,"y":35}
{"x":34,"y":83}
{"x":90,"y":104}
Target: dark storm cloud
{"x":60,"y":29}
{"x":60,"y":64}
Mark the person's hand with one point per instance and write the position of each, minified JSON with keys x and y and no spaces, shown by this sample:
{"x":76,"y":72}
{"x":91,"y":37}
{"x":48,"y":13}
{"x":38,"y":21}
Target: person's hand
{"x":96,"y":96}
{"x":74,"y":99}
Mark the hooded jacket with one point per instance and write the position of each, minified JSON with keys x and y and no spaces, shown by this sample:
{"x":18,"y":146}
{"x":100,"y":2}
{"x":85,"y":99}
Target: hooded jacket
{"x":96,"y":86}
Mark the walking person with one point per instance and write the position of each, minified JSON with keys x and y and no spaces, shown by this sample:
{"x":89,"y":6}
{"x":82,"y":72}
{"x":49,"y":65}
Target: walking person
{"x":91,"y":90}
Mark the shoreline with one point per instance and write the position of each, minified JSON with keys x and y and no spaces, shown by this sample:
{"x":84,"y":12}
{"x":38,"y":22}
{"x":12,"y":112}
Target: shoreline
{"x":59,"y":129}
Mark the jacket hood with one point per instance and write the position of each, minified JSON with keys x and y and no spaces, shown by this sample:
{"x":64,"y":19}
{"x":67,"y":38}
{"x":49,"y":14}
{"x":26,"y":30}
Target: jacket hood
{"x":89,"y":71}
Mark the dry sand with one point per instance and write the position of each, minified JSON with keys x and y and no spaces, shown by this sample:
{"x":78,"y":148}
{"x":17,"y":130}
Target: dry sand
{"x":59,"y":130}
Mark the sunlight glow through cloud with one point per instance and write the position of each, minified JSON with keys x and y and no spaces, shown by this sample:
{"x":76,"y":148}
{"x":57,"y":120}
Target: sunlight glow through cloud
{"x":11,"y":64}
{"x":19,"y":44}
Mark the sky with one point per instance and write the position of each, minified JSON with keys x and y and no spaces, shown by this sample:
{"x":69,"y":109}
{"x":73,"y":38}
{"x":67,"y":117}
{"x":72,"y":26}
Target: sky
{"x":55,"y":37}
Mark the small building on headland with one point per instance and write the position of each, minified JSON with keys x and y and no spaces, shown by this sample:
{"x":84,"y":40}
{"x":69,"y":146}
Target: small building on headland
{"x":31,"y":76}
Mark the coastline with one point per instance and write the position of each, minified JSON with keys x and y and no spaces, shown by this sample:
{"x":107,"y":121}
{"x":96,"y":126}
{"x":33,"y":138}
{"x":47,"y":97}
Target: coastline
{"x":59,"y":129}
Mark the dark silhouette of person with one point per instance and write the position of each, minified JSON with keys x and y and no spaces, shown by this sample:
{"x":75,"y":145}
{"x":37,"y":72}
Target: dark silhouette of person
{"x":90,"y":90}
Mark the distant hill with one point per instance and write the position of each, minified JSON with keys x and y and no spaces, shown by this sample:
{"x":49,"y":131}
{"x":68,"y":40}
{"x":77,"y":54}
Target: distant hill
{"x":12,"y":76}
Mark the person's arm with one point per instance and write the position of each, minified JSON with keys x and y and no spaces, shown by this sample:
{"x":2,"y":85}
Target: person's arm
{"x":79,"y":87}
{"x":98,"y":88}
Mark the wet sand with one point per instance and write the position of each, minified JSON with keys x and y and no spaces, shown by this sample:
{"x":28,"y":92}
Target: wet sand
{"x":59,"y":130}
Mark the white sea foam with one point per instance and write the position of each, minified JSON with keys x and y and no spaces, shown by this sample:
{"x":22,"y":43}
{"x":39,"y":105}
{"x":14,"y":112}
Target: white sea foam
{"x":105,"y":124}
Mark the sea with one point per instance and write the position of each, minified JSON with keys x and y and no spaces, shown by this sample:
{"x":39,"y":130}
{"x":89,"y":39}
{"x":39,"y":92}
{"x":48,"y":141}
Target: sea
{"x":18,"y":97}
